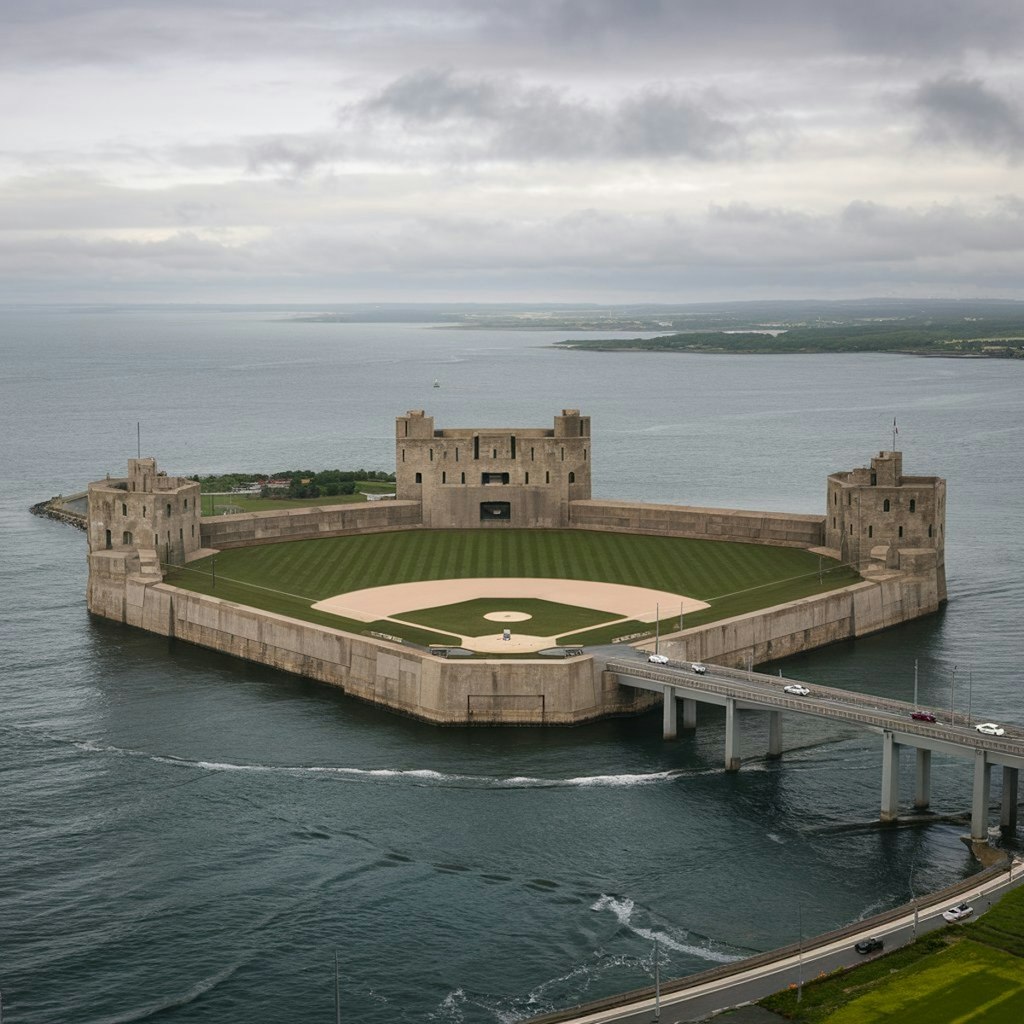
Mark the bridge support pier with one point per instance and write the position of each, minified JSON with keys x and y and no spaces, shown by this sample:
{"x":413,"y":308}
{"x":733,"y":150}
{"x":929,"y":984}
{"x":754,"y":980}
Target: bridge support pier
{"x":774,"y":734}
{"x":689,"y":713}
{"x":923,"y":787}
{"x":732,"y":737}
{"x":668,"y":714}
{"x":890,"y":777}
{"x":1008,"y":811}
{"x":980,"y":796}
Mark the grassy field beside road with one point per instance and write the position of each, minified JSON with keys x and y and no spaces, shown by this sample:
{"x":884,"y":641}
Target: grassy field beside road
{"x":968,"y":974}
{"x":734,"y":578}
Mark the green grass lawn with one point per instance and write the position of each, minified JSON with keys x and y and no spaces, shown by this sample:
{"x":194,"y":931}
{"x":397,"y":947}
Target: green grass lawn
{"x":219,"y":504}
{"x":734,"y":578}
{"x":967,"y":974}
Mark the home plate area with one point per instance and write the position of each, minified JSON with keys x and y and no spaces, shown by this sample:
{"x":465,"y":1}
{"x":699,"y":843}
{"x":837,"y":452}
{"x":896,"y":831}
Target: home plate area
{"x":622,"y":603}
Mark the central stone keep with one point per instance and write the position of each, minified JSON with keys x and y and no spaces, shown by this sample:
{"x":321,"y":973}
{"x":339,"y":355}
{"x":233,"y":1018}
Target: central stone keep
{"x":503,"y":478}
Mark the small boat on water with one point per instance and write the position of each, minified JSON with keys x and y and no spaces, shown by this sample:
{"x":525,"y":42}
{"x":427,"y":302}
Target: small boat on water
{"x":437,"y":383}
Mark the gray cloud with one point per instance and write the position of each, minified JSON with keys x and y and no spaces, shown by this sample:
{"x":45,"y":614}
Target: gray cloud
{"x":507,"y":119}
{"x":965,"y":111}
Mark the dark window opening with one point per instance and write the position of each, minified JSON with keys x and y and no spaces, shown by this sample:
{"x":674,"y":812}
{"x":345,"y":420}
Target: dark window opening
{"x":143,"y":511}
{"x":547,"y":477}
{"x":403,"y":455}
{"x":186,"y":504}
{"x":513,"y":446}
{"x":494,"y":453}
{"x":168,"y":508}
{"x":444,"y":478}
{"x":572,"y":478}
{"x":463,"y":477}
{"x":126,"y":537}
{"x":193,"y":529}
{"x":419,"y":478}
{"x":584,"y":454}
{"x":563,"y":455}
{"x":431,"y":454}
{"x":851,"y":529}
{"x":495,"y":510}
{"x":456,"y":454}
{"x":531,"y":455}
{"x":929,"y":529}
{"x":913,"y":505}
{"x":110,"y":543}
{"x":494,"y":478}
{"x":874,"y":479}
{"x":476,"y":447}
{"x":833,"y":522}
{"x":527,"y":478}
{"x":885,"y":505}
{"x":124,"y":508}
{"x":901,"y":531}
{"x":181,"y":533}
{"x":871,"y":531}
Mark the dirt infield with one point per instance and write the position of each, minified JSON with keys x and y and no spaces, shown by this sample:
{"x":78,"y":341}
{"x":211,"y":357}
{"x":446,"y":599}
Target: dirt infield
{"x":621,"y":602}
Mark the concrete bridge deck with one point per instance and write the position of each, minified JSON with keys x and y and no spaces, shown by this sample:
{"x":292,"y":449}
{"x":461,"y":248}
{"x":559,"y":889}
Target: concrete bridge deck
{"x":736,"y":690}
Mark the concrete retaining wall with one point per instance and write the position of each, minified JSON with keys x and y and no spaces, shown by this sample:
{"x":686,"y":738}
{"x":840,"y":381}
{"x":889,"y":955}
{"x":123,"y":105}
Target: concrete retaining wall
{"x":811,"y":622}
{"x":498,"y":692}
{"x":777,"y":528}
{"x":249,"y":528}
{"x":443,"y":691}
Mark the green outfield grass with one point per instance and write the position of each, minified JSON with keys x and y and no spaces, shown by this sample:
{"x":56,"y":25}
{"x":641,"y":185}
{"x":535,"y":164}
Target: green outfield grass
{"x":970,"y":974}
{"x":734,"y":578}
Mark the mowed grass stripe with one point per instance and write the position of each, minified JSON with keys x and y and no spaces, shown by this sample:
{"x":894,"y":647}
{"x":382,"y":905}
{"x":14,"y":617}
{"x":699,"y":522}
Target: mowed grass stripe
{"x":736,"y":578}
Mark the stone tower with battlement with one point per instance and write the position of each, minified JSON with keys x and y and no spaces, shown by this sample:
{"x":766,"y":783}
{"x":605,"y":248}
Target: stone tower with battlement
{"x":493,"y":477}
{"x":878,"y":519}
{"x":144,"y":518}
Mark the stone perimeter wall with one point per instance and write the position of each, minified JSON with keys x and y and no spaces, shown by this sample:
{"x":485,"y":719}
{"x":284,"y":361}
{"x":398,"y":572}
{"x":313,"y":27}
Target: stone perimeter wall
{"x":499,"y":692}
{"x":782,"y":529}
{"x":776,"y":528}
{"x":504,"y":692}
{"x":403,"y":679}
{"x":248,"y":528}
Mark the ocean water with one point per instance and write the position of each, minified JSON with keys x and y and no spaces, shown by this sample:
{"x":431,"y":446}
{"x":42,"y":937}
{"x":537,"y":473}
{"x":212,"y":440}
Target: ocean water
{"x":190,"y":838}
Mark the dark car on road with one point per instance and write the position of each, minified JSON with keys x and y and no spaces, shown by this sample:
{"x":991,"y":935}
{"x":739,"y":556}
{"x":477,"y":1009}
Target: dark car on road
{"x":922,"y":716}
{"x":866,"y":946}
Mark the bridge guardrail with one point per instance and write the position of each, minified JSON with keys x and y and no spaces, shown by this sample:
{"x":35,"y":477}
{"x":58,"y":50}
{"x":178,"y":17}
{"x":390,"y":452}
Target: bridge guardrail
{"x":879,"y":719}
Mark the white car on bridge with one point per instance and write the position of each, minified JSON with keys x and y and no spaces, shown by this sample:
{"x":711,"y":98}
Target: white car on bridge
{"x":990,"y":729}
{"x":796,"y":689}
{"x":657,"y":659}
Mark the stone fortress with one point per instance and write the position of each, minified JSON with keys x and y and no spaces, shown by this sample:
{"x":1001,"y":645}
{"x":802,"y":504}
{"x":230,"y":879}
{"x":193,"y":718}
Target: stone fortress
{"x":890,"y":526}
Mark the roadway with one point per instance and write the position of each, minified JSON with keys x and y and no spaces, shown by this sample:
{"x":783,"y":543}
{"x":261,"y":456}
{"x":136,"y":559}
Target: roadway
{"x":757,"y":691}
{"x":699,"y":996}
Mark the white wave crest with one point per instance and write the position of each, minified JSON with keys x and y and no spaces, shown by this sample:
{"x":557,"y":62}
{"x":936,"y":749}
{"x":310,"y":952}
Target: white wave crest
{"x":623,"y":910}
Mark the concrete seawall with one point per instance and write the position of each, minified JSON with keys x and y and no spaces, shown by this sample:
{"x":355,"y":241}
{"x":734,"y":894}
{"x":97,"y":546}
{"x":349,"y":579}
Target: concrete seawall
{"x":499,"y":691}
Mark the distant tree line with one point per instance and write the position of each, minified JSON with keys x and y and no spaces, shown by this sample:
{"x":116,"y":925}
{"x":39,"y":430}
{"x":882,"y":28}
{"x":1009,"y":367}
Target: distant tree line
{"x":302,"y":483}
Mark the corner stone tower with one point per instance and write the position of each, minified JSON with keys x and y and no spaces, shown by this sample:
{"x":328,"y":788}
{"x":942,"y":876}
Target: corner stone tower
{"x":140,"y":521}
{"x":877,"y":519}
{"x":493,"y":477}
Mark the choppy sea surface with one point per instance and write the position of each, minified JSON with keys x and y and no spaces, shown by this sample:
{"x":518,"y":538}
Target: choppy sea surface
{"x":190,"y":838}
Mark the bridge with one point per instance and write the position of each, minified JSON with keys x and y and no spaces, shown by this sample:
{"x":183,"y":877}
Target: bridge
{"x":737,"y":690}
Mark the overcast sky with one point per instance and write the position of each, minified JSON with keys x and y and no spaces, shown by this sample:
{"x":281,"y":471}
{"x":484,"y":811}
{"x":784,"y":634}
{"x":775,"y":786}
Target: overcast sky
{"x":527,"y":150}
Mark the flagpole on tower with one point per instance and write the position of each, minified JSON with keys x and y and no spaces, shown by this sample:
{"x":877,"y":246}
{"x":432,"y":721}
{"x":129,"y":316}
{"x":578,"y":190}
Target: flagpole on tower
{"x":895,"y":431}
